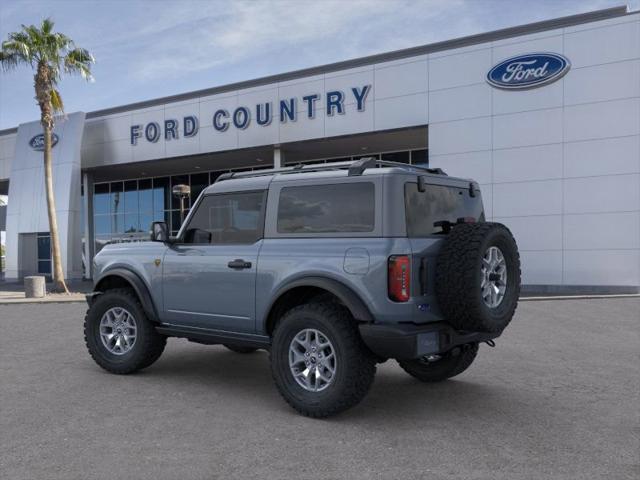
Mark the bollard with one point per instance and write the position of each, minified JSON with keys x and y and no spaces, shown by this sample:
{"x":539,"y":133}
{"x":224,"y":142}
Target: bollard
{"x":34,"y":287}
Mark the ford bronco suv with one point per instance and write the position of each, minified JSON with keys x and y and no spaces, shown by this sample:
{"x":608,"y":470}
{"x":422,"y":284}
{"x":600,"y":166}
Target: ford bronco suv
{"x":332,"y":268}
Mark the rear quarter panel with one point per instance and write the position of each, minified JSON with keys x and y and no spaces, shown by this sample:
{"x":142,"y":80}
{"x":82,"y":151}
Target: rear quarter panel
{"x":283,"y":261}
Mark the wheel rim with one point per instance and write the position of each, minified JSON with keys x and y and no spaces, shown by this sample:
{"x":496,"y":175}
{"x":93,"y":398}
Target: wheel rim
{"x":494,"y":277}
{"x":118,"y":330}
{"x":312,"y":360}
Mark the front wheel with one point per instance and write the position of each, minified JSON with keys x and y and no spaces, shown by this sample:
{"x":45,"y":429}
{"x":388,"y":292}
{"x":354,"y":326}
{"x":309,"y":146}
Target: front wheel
{"x":119,"y":336}
{"x":438,"y":369}
{"x":318,"y":360}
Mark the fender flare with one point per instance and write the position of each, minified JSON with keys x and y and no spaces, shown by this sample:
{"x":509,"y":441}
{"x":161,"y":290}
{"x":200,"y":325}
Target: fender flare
{"x":138,"y":286}
{"x":345,"y":294}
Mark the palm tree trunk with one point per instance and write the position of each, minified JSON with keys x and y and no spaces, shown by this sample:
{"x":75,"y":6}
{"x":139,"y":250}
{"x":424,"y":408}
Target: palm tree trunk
{"x":59,"y":284}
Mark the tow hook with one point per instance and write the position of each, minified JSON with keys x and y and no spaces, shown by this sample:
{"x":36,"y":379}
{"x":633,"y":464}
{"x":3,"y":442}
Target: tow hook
{"x":491,"y":343}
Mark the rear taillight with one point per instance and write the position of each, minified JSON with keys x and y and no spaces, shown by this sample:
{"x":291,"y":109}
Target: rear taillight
{"x":399,"y":278}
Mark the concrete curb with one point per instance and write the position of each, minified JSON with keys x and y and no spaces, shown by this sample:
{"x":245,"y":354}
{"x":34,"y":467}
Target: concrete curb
{"x":73,"y":298}
{"x":578,"y":297}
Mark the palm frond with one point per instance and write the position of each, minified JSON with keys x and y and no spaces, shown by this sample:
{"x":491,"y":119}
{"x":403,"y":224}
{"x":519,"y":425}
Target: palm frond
{"x":9,"y":61}
{"x":63,"y":42}
{"x":34,"y":34}
{"x":19,"y":47}
{"x":79,"y":61}
{"x":56,"y":101}
{"x":47,"y":26}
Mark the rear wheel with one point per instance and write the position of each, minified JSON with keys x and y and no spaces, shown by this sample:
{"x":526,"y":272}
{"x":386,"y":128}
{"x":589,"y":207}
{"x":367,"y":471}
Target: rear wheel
{"x":318,"y":360}
{"x":239,"y":349}
{"x":433,"y":369}
{"x":119,"y":336}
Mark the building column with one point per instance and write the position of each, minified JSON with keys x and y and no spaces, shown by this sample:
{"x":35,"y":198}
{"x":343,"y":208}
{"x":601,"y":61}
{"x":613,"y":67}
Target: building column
{"x":87,"y":220}
{"x":278,"y":157}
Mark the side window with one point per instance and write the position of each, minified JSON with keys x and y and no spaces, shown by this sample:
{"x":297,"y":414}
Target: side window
{"x":227,"y":218}
{"x":339,"y":208}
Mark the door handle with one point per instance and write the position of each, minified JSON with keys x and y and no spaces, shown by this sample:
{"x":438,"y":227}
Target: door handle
{"x":238,"y":264}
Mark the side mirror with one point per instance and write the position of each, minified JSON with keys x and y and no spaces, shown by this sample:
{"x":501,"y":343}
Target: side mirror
{"x":159,"y":232}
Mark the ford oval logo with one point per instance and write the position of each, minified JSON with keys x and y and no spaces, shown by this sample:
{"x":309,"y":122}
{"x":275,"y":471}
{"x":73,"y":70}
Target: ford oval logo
{"x":37,"y":142}
{"x":528,"y":71}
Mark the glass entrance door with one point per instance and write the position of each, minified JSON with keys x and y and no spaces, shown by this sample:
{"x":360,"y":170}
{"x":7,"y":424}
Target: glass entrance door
{"x":44,"y":253}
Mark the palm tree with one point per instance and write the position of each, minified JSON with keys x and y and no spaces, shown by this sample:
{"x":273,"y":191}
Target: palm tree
{"x":50,"y":55}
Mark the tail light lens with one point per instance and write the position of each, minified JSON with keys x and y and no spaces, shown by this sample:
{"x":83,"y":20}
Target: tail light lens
{"x":399,"y":278}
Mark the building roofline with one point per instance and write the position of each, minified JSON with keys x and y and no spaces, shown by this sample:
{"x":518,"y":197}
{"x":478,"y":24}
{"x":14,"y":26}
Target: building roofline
{"x":494,"y":35}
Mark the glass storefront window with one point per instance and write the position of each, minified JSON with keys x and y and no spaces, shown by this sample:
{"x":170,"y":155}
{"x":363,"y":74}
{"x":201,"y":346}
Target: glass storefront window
{"x":162,"y":217}
{"x":102,"y":224}
{"x":117,"y":223}
{"x":117,"y":198}
{"x":145,"y":195}
{"x":101,"y":198}
{"x":199,"y":181}
{"x":401,"y":157}
{"x":146,"y":219}
{"x":420,"y":157}
{"x":131,"y":223}
{"x":161,"y":194}
{"x":131,"y":203}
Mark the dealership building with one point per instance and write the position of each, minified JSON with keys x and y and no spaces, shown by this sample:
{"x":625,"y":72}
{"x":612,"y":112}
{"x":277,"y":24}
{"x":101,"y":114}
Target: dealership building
{"x":544,"y":116}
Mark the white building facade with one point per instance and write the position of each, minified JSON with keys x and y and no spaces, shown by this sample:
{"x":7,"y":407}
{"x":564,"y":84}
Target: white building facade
{"x":555,"y":150}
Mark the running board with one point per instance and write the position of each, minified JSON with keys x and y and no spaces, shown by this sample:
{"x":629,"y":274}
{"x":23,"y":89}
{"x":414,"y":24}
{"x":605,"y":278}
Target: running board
{"x":213,"y":337}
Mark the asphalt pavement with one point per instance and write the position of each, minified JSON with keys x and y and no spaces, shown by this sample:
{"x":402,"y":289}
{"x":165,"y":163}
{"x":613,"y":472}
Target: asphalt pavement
{"x":558,"y":398}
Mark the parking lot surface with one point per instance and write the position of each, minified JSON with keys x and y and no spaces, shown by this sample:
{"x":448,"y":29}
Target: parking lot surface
{"x":558,"y":398}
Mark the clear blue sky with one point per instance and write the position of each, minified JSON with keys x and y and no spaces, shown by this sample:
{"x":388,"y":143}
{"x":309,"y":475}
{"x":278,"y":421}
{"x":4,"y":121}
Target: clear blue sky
{"x":149,"y":49}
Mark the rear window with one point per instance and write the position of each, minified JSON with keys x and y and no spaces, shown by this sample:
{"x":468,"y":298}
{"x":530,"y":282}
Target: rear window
{"x":340,"y":208}
{"x":437,"y":203}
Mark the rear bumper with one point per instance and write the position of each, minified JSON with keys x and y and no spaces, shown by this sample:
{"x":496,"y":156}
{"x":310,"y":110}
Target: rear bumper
{"x":407,"y":341}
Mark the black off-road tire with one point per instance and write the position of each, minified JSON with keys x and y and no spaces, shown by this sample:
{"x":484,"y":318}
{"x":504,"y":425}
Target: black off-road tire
{"x":148,"y":346}
{"x":239,"y":349}
{"x":458,"y":277}
{"x":355,"y":367}
{"x":450,"y":365}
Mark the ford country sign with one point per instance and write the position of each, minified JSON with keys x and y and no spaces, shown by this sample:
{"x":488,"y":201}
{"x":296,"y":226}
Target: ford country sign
{"x":37,"y":142}
{"x":528,"y":71}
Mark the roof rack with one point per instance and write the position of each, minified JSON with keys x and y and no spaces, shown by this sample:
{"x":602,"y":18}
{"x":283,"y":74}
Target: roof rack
{"x":355,"y":168}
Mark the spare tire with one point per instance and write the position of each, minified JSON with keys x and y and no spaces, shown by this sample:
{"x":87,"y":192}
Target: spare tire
{"x":478,"y":277}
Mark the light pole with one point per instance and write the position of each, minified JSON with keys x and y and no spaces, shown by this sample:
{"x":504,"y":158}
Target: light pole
{"x":182,"y":192}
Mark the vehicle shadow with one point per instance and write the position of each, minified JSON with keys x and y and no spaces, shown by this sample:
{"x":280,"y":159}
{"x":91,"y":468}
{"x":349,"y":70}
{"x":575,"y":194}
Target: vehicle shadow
{"x":393,"y":395}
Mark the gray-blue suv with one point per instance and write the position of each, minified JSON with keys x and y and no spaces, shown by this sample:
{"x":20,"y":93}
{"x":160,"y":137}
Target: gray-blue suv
{"x":332,"y":268}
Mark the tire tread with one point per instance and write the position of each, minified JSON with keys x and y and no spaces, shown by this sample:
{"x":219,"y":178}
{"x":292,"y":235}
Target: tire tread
{"x":360,"y":376}
{"x":153,"y":343}
{"x":456,"y":279}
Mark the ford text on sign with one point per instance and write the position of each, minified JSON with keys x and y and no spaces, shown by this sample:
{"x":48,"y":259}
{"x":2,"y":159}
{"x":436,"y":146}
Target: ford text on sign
{"x":286,"y":110}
